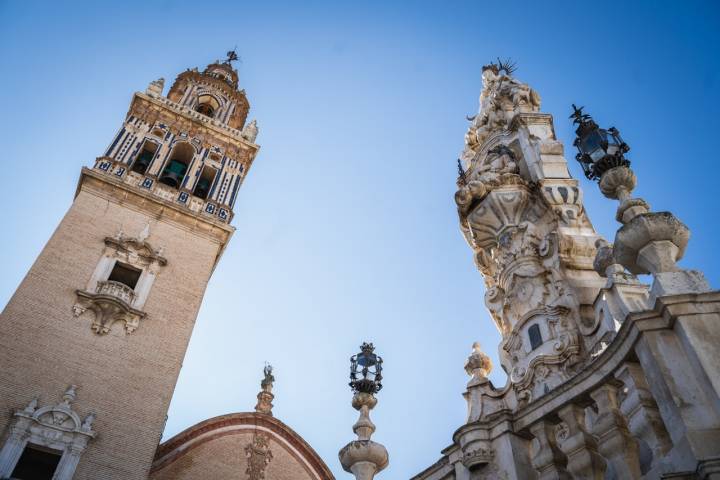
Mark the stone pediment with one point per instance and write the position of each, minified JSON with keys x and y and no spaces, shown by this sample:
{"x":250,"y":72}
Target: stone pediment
{"x":140,"y":247}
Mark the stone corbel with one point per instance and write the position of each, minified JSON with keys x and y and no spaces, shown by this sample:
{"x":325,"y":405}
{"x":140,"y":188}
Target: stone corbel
{"x":108,"y":309}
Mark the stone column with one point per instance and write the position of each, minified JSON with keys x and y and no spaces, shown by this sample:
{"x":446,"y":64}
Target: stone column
{"x":578,"y":444}
{"x":13,"y":447}
{"x":614,"y":439}
{"x":549,"y":460}
{"x":69,"y":461}
{"x":363,"y":457}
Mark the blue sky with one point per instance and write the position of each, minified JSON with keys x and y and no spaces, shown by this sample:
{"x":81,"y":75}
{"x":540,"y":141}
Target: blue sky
{"x":346,"y":225}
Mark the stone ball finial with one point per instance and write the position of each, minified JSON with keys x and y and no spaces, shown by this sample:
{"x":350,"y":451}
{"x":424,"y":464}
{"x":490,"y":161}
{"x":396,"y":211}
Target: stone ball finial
{"x":478,"y":364}
{"x":618,"y":183}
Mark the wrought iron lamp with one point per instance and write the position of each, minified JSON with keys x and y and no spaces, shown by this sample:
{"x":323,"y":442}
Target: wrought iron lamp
{"x":599,"y":149}
{"x":366,"y":370}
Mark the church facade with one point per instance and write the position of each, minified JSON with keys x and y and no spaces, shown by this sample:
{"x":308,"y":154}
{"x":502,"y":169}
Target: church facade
{"x":608,"y":377}
{"x":92,"y":341}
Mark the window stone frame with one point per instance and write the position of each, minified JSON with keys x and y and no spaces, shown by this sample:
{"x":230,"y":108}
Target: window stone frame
{"x":113,"y":301}
{"x":57,"y":427}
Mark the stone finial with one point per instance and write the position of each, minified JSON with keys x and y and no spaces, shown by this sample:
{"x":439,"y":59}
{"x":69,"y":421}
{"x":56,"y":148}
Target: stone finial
{"x":250,"y":132}
{"x":265,"y":397}
{"x":478,"y":365}
{"x":87,"y":423}
{"x":32,"y":406}
{"x":156,"y":87}
{"x":69,"y":396}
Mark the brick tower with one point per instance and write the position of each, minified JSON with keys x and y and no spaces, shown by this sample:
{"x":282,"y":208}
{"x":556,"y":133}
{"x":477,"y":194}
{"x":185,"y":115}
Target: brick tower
{"x":92,"y":341}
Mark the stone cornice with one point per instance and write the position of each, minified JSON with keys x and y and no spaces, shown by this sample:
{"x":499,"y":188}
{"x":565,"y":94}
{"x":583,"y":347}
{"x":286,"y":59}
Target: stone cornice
{"x":233,"y":423}
{"x":114,"y":189}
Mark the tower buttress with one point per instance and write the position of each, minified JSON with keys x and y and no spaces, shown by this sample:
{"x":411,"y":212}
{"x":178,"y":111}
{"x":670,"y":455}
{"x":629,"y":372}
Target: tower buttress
{"x":109,"y":305}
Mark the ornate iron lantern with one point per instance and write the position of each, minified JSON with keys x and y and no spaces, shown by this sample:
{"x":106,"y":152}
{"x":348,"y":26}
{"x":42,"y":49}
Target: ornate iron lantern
{"x":366,"y":370}
{"x":599,"y":150}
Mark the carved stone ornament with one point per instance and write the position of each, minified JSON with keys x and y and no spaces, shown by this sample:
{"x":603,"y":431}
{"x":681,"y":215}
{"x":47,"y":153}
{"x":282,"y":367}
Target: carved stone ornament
{"x":474,"y":457}
{"x":56,"y":426}
{"x":501,"y":99}
{"x":111,"y":301}
{"x":512,"y":228}
{"x":258,"y":456}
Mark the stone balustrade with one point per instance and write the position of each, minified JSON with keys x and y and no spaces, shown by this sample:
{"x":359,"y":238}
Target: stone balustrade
{"x":117,"y":290}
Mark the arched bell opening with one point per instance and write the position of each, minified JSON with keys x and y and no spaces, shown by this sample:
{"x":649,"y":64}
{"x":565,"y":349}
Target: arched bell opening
{"x":176,"y":168}
{"x":204,"y":183}
{"x":144,"y":158}
{"x":207,"y":105}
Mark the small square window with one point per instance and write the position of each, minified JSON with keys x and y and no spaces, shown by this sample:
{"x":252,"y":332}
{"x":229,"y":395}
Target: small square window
{"x":125,"y":274}
{"x":36,"y":463}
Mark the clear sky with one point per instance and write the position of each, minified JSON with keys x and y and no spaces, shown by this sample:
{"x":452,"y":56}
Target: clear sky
{"x":346,"y":225}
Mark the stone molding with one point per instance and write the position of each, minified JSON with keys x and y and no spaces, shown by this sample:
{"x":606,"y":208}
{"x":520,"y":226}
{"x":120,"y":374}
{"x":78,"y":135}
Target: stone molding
{"x":141,"y":200}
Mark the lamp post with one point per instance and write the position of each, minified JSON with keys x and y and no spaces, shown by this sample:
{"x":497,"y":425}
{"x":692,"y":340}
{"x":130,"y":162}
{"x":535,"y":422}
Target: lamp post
{"x":363,"y":457}
{"x":647,"y":242}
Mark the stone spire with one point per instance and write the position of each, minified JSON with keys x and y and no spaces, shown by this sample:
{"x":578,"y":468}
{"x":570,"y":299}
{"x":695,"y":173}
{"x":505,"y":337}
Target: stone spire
{"x":522,"y":215}
{"x":265,"y":397}
{"x":363,"y":457}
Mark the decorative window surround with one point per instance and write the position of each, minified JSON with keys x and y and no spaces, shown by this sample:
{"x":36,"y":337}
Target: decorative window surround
{"x":57,"y":427}
{"x":113,"y":301}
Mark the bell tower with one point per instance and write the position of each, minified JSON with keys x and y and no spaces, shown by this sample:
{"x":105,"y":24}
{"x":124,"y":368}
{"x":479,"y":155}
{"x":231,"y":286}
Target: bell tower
{"x":92,"y":341}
